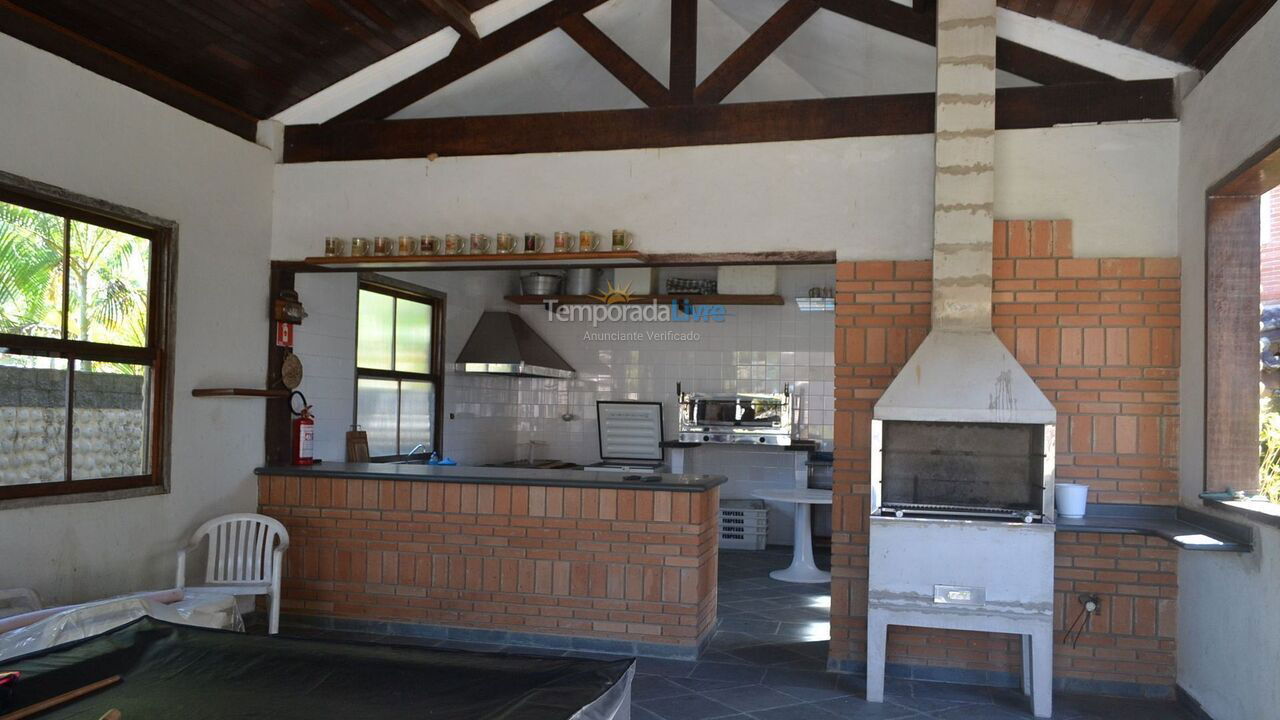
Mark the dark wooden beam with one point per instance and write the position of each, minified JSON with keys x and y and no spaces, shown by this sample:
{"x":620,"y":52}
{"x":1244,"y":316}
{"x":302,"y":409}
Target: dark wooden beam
{"x":760,"y":45}
{"x":457,"y":16}
{"x":465,"y":59}
{"x":678,"y":126}
{"x":46,"y":35}
{"x":684,"y":50}
{"x":1011,"y":57}
{"x":616,"y":60}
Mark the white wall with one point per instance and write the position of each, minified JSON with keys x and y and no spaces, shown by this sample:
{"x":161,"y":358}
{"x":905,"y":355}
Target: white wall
{"x":1228,"y":628}
{"x":62,"y":125}
{"x":866,"y":198}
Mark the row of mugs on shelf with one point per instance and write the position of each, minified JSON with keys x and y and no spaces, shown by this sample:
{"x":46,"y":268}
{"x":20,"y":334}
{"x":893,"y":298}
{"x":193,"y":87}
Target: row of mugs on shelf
{"x":505,"y":244}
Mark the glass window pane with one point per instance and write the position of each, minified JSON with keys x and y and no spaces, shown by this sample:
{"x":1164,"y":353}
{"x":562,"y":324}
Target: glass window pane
{"x":110,"y":420}
{"x":413,"y":336}
{"x":375,"y":331}
{"x":109,"y":273}
{"x":376,"y":403}
{"x":31,"y":255}
{"x":33,"y":419}
{"x":417,"y":415}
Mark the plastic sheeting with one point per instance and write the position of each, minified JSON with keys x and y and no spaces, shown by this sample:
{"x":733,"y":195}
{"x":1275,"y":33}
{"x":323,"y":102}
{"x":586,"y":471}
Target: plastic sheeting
{"x":76,"y":622}
{"x":174,"y":670}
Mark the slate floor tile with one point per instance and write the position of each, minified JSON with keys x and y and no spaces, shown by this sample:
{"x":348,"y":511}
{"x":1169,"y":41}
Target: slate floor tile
{"x":688,"y":707}
{"x":751,"y":698}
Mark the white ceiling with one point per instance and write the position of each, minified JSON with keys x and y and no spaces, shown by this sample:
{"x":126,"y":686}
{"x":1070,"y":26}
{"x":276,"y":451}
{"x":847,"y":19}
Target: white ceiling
{"x":829,"y":56}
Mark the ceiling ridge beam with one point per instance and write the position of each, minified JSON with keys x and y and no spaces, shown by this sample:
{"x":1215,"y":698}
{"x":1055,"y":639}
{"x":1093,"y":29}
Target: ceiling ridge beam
{"x":465,"y":59}
{"x":455,"y":15}
{"x":684,"y":50}
{"x":754,"y":50}
{"x":719,"y":124}
{"x":36,"y":30}
{"x":1021,"y":60}
{"x":616,"y":60}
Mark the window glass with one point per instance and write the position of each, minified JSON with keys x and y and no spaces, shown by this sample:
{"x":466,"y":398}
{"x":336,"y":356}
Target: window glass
{"x":108,"y":273}
{"x":417,"y":405}
{"x":111,"y":420}
{"x":377,"y":406}
{"x":376,"y":331}
{"x":31,"y":254}
{"x":413,"y":336}
{"x":33,"y":419}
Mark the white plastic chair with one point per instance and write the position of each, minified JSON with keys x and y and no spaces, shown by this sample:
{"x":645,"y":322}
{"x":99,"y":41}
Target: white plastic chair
{"x":244,"y":558}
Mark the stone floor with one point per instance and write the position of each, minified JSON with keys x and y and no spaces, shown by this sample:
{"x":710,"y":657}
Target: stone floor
{"x":767,"y":661}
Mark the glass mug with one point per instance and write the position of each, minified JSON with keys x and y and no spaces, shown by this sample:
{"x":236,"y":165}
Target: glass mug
{"x":382,"y":245}
{"x":506,"y":243}
{"x":621,"y":240}
{"x":360,"y":246}
{"x":563,"y":242}
{"x":532,"y":243}
{"x":453,"y":244}
{"x":479,"y":244}
{"x":429,"y":245}
{"x":407,"y":245}
{"x":588,"y":241}
{"x":335,"y":247}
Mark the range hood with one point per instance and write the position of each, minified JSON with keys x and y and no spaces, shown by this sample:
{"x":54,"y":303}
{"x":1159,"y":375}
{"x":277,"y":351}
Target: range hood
{"x":962,"y":372}
{"x":504,"y":344}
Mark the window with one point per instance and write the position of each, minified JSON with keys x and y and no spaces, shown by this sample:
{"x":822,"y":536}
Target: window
{"x":82,"y":336}
{"x":1242,"y":317}
{"x":399,"y":392}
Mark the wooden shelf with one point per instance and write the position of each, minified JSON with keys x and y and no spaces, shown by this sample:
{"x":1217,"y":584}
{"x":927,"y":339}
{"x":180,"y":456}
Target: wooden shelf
{"x":239,"y":392}
{"x":513,"y":260}
{"x":646,"y":299}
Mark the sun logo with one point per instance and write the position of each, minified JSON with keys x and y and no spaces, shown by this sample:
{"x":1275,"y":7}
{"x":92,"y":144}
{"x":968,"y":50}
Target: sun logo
{"x":613,"y":295}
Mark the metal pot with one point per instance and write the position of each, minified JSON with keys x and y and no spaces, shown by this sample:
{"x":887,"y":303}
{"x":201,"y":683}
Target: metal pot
{"x":540,"y":284}
{"x":581,"y":281}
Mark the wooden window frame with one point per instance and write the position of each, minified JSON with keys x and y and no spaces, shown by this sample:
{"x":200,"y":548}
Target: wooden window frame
{"x":155,"y":354}
{"x":414,"y":293}
{"x":1232,"y":295}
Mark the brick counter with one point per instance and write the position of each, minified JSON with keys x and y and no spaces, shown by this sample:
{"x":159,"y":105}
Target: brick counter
{"x":558,"y":566}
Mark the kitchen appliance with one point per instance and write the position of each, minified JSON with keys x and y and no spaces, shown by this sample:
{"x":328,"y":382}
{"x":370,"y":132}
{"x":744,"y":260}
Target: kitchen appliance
{"x":540,"y":284}
{"x":630,"y":433}
{"x":504,"y":344}
{"x":581,"y":281}
{"x":743,"y":418}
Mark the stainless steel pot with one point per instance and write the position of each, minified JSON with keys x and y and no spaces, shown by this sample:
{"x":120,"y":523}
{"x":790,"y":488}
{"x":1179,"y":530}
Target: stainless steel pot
{"x":582,"y":281}
{"x":540,"y":284}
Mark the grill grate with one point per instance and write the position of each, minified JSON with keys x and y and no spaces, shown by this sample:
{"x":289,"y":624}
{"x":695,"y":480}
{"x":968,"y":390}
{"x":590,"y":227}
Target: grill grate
{"x":905,"y":509}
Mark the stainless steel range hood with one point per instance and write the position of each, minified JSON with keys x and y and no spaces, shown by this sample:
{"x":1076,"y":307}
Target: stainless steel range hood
{"x":504,"y":344}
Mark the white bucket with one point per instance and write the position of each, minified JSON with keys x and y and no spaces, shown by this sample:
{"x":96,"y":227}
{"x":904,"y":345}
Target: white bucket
{"x":1070,"y":499}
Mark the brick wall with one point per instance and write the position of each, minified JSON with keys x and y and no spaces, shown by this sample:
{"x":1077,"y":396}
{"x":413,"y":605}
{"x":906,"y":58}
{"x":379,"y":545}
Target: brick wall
{"x":635,"y":565}
{"x":1271,"y":250}
{"x":1100,"y":337}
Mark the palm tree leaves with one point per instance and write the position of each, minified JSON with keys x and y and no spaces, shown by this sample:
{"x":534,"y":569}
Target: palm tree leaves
{"x":108,"y":272}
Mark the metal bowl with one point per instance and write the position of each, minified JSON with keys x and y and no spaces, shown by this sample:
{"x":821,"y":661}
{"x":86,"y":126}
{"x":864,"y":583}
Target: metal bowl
{"x":540,"y":284}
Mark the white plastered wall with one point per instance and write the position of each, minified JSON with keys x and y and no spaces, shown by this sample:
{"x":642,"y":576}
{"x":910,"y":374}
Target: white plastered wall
{"x":1228,"y":627}
{"x":60,"y":124}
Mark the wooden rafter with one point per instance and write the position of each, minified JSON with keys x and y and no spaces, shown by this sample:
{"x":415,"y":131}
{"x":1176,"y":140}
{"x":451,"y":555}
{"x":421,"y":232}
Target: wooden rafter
{"x":616,"y":60}
{"x":467,"y":58}
{"x":36,"y":30}
{"x":684,"y":125}
{"x":684,"y":49}
{"x":453,"y":13}
{"x":1011,"y":57}
{"x":761,"y":44}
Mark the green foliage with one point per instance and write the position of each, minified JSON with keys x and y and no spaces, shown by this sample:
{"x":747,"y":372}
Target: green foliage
{"x":1269,"y":463}
{"x":106,"y":280}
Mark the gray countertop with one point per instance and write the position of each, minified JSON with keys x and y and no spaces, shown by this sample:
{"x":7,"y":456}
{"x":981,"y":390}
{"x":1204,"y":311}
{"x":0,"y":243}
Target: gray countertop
{"x":1184,"y":527}
{"x":499,"y":476}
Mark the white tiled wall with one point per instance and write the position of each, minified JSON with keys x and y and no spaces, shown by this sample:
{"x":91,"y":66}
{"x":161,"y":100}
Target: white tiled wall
{"x":325,"y":342}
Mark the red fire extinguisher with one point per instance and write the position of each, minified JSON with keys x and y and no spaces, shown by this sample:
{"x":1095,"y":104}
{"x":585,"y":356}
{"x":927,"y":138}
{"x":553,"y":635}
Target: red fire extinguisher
{"x":304,"y":432}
